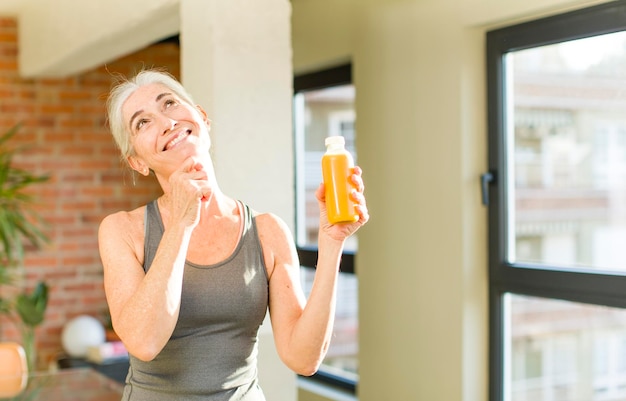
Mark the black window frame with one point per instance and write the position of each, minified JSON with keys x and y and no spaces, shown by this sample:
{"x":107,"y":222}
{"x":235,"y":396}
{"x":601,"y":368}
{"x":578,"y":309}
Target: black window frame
{"x":551,"y":282}
{"x":326,"y":78}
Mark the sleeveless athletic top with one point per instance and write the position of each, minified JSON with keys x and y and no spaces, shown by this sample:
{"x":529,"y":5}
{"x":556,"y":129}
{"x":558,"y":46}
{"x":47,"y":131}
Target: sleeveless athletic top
{"x":212,"y":354}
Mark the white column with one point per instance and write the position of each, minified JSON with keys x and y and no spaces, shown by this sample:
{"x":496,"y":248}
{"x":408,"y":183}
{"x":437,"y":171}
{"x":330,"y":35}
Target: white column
{"x":236,"y":62}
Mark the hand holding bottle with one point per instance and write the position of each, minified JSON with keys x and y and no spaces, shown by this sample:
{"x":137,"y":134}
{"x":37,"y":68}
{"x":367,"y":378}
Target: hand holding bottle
{"x":342,"y":203}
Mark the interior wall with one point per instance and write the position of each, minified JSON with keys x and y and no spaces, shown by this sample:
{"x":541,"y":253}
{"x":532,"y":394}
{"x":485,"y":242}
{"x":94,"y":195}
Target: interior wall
{"x":411,"y":286}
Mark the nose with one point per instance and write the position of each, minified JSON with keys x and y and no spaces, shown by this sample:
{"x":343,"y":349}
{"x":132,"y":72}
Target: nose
{"x":169,"y":125}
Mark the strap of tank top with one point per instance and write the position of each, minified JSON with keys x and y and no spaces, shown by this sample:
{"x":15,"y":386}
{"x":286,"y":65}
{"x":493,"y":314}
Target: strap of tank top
{"x":152,"y":234}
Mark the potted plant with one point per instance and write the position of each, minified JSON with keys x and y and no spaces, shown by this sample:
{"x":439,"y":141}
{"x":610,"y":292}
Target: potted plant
{"x":19,"y":224}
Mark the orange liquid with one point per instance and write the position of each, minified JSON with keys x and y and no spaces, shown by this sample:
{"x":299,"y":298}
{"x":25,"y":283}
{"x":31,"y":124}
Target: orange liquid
{"x":336,"y":170}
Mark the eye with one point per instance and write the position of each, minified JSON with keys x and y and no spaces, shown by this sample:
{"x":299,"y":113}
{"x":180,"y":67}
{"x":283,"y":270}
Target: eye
{"x":169,"y":102}
{"x":140,"y":123}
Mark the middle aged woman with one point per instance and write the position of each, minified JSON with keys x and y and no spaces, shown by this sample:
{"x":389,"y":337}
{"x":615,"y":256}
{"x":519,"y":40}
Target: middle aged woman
{"x":190,"y":275}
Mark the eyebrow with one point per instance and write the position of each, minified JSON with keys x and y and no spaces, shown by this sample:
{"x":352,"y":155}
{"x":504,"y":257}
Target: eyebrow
{"x":138,"y":112}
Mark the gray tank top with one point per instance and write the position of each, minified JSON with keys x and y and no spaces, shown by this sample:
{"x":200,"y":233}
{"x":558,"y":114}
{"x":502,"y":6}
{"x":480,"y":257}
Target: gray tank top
{"x":212,"y":353}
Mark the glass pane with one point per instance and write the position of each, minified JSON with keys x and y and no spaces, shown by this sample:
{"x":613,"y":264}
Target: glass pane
{"x":342,"y":357}
{"x":318,"y":114}
{"x":563,"y":351}
{"x":566,"y":124}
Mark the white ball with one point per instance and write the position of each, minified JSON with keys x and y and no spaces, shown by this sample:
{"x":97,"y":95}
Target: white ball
{"x":80,"y":333}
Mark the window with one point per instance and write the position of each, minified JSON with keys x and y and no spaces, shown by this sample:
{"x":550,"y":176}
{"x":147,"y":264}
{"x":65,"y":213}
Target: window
{"x":324,"y":106}
{"x":557,"y":207}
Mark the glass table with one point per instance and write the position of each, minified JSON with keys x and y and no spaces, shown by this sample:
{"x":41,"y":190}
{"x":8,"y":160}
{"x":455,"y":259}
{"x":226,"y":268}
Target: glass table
{"x":76,"y":384}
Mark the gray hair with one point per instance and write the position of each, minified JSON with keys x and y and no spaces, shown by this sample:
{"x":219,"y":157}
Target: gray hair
{"x":122,"y":91}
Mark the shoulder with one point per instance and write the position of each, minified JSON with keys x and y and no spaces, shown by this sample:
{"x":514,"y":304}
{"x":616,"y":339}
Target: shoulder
{"x":269,"y":221}
{"x":123,"y":227}
{"x":271,"y":227}
{"x":276,"y":241}
{"x":123,"y":220}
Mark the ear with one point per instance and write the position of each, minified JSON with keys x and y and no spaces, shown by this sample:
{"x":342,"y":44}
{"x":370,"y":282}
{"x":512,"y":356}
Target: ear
{"x":138,"y":165}
{"x":205,"y":117}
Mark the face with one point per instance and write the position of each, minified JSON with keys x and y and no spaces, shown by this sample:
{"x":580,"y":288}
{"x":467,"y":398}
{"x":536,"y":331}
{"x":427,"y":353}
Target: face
{"x":165,"y":130}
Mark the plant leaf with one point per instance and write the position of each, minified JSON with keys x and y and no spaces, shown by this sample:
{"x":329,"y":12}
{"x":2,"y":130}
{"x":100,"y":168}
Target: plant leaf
{"x":17,"y":222}
{"x":31,"y":308}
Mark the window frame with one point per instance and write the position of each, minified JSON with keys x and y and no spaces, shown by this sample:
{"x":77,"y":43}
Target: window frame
{"x":326,"y":78}
{"x":551,"y":282}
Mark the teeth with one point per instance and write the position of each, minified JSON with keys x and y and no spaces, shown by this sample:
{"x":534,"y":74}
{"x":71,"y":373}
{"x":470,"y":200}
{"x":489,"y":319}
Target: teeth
{"x":176,"y":140}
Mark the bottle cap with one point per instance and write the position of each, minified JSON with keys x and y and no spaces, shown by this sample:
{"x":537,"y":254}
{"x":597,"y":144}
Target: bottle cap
{"x":335,"y":140}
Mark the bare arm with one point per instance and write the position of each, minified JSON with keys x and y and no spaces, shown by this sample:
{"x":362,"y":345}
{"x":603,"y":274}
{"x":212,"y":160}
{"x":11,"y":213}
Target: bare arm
{"x":303,"y":328}
{"x":144,"y":307}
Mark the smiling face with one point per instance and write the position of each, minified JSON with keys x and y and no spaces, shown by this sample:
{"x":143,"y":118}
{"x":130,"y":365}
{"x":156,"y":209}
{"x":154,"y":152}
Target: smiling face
{"x":165,"y":130}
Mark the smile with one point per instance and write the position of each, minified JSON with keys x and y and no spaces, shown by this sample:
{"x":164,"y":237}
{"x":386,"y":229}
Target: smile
{"x":177,"y":139}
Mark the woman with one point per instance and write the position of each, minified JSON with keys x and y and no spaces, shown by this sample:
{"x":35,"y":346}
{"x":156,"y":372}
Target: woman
{"x":189,"y":277}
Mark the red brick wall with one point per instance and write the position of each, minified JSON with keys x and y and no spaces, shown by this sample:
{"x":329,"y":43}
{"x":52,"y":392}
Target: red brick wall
{"x":64,"y":122}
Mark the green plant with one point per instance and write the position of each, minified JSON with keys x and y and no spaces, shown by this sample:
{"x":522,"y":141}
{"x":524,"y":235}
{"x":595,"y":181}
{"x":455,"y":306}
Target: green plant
{"x":19,"y":225}
{"x":31,"y":309}
{"x":17,"y":221}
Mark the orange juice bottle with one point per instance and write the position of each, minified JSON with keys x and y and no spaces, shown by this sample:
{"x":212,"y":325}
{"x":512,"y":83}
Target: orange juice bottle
{"x":337,"y":164}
